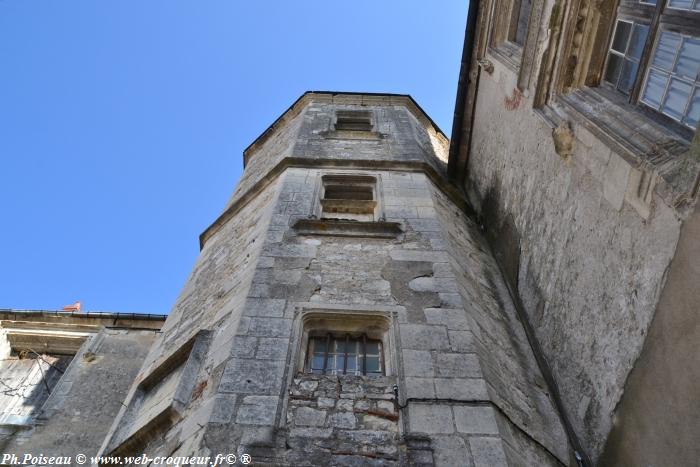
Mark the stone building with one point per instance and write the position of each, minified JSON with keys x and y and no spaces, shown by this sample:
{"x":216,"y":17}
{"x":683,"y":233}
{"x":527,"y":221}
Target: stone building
{"x":575,"y":140}
{"x":374,"y":294}
{"x":64,"y":376}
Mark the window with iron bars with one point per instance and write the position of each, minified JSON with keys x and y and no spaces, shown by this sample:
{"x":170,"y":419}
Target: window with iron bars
{"x":345,"y":354}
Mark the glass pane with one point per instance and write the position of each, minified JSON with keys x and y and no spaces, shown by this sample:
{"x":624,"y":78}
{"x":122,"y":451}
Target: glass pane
{"x":654,"y":89}
{"x":697,"y":5}
{"x":650,"y":2}
{"x":689,"y":58}
{"x":352,"y":365}
{"x":694,"y":110}
{"x":338,"y":345}
{"x":680,"y":4}
{"x":373,"y":365}
{"x":317,"y":362}
{"x":639,"y":36}
{"x":612,"y":72}
{"x":372,"y":348}
{"x":331,"y":366}
{"x":622,"y":33}
{"x":318,"y":344}
{"x":676,"y":99}
{"x":665,"y":53}
{"x":629,"y":73}
{"x":523,"y":19}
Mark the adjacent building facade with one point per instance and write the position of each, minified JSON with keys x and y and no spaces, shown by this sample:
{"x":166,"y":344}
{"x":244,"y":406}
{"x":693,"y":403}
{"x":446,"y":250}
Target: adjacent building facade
{"x":575,"y":140}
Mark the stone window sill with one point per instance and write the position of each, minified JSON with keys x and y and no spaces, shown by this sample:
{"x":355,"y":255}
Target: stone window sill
{"x":630,"y":132}
{"x":348,"y":228}
{"x":508,"y":53}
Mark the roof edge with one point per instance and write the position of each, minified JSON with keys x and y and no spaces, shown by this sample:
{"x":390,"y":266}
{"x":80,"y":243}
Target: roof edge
{"x":309,"y":96}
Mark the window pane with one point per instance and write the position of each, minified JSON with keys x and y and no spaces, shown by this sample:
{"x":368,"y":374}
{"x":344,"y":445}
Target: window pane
{"x":665,"y":53}
{"x":676,"y":99}
{"x":612,"y":72}
{"x":689,"y":59}
{"x":622,"y":33}
{"x":373,"y":365}
{"x":654,"y":90}
{"x":681,"y":4}
{"x":650,"y":2}
{"x":694,"y":110}
{"x":317,"y":362}
{"x":629,"y":73}
{"x":352,"y":365}
{"x":639,"y":36}
{"x":523,"y":19}
{"x":372,"y":348}
{"x":318,"y":344}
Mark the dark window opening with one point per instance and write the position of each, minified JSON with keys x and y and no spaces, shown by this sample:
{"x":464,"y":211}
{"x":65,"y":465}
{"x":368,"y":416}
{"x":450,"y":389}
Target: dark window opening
{"x":348,"y":354}
{"x":353,"y":121}
{"x":519,"y":31}
{"x":348,"y":197}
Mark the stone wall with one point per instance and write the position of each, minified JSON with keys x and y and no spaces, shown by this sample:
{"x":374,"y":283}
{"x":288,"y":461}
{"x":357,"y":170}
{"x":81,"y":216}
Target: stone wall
{"x":419,"y":277}
{"x":77,"y":415}
{"x":588,"y":267}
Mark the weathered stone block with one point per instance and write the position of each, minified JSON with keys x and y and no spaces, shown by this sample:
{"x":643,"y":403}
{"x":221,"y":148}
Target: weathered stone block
{"x":306,"y":416}
{"x":418,"y":363}
{"x":461,"y":388}
{"x":252,"y":376}
{"x":342,"y":420}
{"x":458,"y":365}
{"x":423,"y":337}
{"x":487,"y":452}
{"x":257,"y":410}
{"x":430,"y":418}
{"x":475,"y":420}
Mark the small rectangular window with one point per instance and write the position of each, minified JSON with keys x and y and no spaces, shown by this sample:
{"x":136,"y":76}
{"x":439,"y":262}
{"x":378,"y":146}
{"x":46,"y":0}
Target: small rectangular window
{"x":353,"y":121}
{"x":348,"y":354}
{"x":348,"y":197}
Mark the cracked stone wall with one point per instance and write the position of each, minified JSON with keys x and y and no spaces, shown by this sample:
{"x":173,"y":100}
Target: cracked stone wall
{"x":588,"y":266}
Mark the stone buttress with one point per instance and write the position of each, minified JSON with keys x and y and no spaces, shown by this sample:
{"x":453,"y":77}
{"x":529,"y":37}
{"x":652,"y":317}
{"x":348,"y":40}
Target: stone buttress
{"x":342,"y":238}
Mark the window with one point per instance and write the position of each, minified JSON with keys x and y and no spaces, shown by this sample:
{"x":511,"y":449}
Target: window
{"x":510,"y":29}
{"x":26,"y":381}
{"x":348,"y":197}
{"x":348,"y":354}
{"x":353,"y":120}
{"x":519,"y":30}
{"x":654,"y":59}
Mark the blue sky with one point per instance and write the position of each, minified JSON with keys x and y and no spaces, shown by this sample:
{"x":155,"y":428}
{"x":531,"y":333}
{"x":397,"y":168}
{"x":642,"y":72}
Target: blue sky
{"x":122,"y":123}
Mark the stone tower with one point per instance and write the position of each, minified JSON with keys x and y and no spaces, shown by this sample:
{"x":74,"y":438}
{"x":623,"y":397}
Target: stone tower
{"x":344,"y":310}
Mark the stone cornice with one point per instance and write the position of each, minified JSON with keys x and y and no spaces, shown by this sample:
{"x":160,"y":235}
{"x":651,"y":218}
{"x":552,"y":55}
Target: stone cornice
{"x":346,"y":98}
{"x":452,"y":191}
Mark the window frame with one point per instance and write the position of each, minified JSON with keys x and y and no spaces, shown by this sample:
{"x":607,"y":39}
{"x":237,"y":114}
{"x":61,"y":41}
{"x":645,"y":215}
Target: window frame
{"x":376,"y":325}
{"x":659,"y":18}
{"x":501,"y":41}
{"x":334,"y":337}
{"x":371,"y":180}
